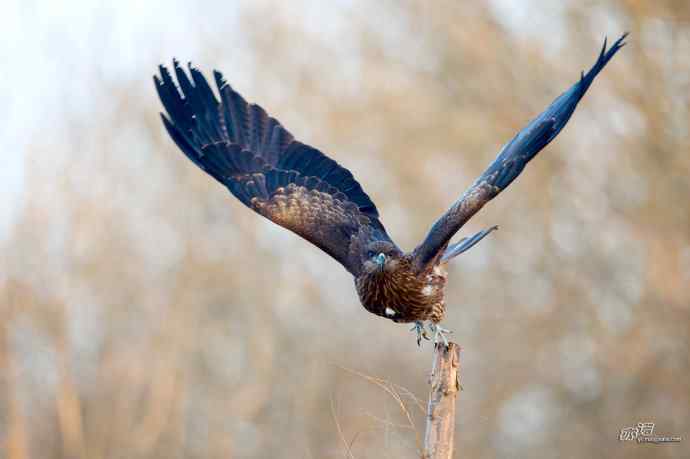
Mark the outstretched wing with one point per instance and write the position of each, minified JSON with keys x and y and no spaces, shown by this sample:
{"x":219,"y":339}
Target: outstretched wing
{"x":286,"y":181}
{"x":510,"y":162}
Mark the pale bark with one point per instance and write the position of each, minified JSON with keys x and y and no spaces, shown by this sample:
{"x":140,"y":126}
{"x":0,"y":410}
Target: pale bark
{"x":440,"y":416}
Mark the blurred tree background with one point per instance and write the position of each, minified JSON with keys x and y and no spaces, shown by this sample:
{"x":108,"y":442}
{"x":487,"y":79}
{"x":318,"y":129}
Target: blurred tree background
{"x":144,"y":313}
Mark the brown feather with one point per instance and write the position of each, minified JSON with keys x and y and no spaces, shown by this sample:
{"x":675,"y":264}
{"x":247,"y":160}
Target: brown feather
{"x":303,"y":190}
{"x":399,"y":288}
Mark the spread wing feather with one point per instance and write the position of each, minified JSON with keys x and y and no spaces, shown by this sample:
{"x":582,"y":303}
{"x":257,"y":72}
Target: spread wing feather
{"x":259,"y":161}
{"x":510,"y":161}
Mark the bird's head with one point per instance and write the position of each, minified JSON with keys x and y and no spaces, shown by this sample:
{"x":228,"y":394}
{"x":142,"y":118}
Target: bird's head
{"x":380,"y":257}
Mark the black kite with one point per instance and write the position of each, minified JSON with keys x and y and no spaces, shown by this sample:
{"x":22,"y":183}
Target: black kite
{"x":303,"y":190}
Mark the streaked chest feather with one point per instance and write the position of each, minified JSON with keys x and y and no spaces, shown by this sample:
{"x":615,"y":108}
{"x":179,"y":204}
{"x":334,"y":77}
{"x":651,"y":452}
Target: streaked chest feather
{"x":403,"y":296}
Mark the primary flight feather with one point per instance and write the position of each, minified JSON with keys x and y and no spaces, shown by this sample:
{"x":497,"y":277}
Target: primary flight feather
{"x":303,"y":190}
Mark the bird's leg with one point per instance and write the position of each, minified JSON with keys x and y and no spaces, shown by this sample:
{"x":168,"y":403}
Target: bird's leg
{"x":439,"y":332}
{"x":421,"y":331}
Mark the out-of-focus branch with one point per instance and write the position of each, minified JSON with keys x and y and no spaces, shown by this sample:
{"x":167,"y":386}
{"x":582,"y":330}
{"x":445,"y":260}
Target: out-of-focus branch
{"x":440,"y":415}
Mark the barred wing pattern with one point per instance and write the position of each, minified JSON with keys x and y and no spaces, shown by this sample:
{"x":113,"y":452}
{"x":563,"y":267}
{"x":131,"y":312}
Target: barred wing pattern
{"x":259,"y":161}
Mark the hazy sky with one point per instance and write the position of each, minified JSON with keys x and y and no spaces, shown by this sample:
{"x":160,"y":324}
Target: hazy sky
{"x":57,"y":54}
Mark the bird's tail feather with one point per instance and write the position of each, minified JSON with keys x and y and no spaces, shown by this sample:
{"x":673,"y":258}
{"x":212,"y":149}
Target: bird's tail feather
{"x":465,"y":244}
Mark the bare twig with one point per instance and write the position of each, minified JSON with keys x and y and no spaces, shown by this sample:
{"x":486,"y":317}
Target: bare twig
{"x":341,"y":434}
{"x":440,"y":416}
{"x":398,"y":393}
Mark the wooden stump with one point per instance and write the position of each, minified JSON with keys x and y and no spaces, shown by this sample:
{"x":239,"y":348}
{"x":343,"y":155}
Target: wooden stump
{"x":440,"y":415}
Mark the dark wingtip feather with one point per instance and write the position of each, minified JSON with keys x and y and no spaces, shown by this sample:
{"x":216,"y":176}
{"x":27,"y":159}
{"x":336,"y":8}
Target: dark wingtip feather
{"x":220,"y":81}
{"x":227,"y":136}
{"x":604,"y":57}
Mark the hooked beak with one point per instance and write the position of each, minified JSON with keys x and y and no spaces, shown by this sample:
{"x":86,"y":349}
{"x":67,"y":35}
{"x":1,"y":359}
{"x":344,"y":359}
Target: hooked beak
{"x":380,"y":260}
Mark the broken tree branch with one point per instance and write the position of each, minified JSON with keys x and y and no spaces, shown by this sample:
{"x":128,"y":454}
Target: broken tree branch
{"x":440,"y":415}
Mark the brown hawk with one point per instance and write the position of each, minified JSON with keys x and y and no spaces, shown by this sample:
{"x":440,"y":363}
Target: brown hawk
{"x":305,"y":191}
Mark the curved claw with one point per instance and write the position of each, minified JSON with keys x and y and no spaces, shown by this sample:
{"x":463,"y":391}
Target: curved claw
{"x":419,"y":328}
{"x":439,"y":332}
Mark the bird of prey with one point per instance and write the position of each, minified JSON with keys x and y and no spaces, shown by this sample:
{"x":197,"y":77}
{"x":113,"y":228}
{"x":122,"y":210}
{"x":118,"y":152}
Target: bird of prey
{"x":305,"y":191}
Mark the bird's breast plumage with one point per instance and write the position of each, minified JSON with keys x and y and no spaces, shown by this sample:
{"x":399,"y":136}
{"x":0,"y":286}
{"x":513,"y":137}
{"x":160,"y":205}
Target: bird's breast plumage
{"x":401,"y":294}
